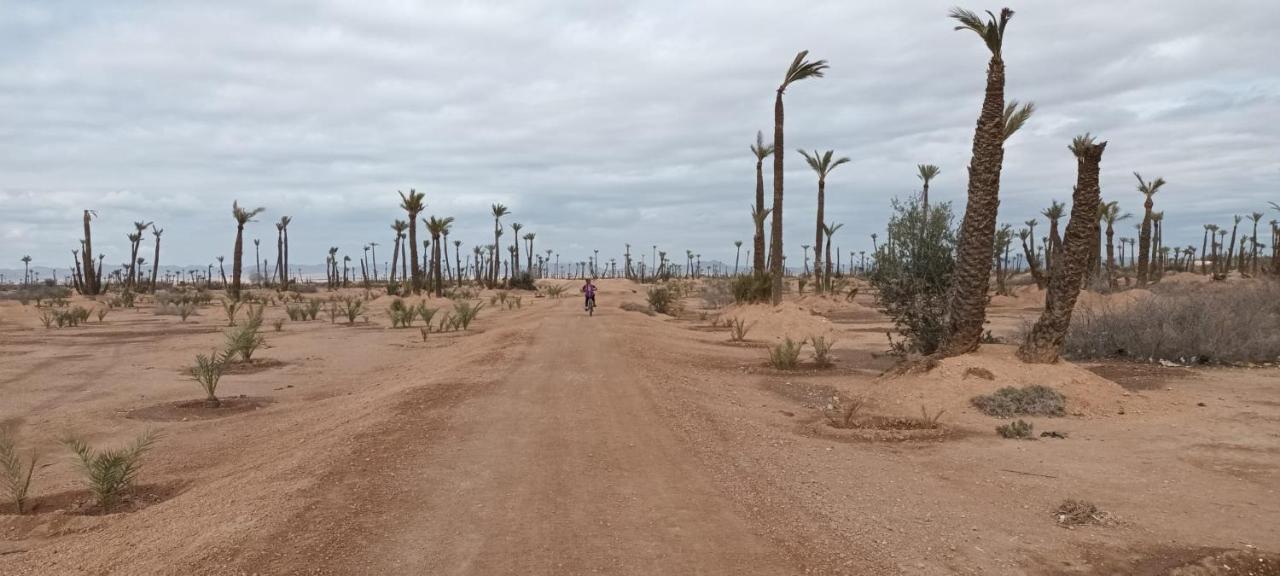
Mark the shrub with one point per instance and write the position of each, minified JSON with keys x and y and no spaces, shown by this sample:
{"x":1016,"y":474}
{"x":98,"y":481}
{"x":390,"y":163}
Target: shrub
{"x":425,"y":312}
{"x":244,"y":340}
{"x":1210,"y":323}
{"x":110,"y":473}
{"x":1078,"y":513}
{"x":664,"y":300}
{"x":185,"y":310}
{"x":912,"y":276}
{"x":753,"y":289}
{"x":313,"y":309}
{"x":349,"y":307}
{"x":15,"y":476}
{"x":465,"y":312}
{"x":207,"y":371}
{"x":523,"y":282}
{"x":821,"y":350}
{"x":786,"y":356}
{"x":1016,"y":430}
{"x":424,"y":331}
{"x":102,"y":313}
{"x":717,"y":292}
{"x":555,"y":290}
{"x":738,"y":329}
{"x":930,"y":421}
{"x":840,"y":412}
{"x":401,"y":315}
{"x":46,"y":318}
{"x":278,"y":324}
{"x":1034,"y":400}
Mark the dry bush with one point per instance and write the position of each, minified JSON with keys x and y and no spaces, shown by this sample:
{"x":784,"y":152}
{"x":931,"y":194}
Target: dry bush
{"x":1034,"y":400}
{"x":15,"y":475}
{"x":1205,"y":323}
{"x":840,"y":412}
{"x":634,"y":307}
{"x":278,"y":324}
{"x":665,"y":299}
{"x":786,"y":356}
{"x":1078,"y":513}
{"x":738,"y":329}
{"x":753,"y":288}
{"x":110,"y":473}
{"x":717,"y":293}
{"x":1016,"y":430}
{"x":230,"y":308}
{"x":821,"y":350}
{"x":554,"y":290}
{"x":102,"y":313}
{"x":930,"y":421}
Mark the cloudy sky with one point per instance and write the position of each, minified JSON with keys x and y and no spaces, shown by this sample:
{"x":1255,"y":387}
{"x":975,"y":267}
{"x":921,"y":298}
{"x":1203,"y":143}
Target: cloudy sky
{"x":599,"y":122}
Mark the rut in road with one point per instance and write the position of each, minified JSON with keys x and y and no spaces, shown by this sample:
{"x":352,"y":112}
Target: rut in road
{"x":562,"y":466}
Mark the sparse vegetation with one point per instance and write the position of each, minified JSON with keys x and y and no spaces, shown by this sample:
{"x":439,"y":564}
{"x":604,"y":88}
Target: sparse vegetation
{"x":753,"y":288}
{"x":717,"y":293}
{"x":230,"y":308}
{"x":664,"y":300}
{"x":207,"y":372}
{"x":244,"y":340}
{"x":17,"y":471}
{"x":821,"y":350}
{"x":1074,"y":512}
{"x":786,"y":355}
{"x":634,"y":307}
{"x":840,"y":412}
{"x":738,"y":329}
{"x":1034,"y":400}
{"x":930,"y":421}
{"x":110,"y":473}
{"x":1016,"y":430}
{"x":912,"y":275}
{"x":278,"y":324}
{"x":465,"y":312}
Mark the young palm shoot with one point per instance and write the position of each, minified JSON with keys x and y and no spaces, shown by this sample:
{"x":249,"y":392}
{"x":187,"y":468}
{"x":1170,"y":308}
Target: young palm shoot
{"x":16,"y":480}
{"x":207,"y":372}
{"x":110,"y":473}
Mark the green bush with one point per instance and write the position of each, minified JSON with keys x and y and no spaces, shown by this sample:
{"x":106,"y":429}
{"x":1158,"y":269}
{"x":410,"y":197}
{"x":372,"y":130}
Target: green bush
{"x":753,"y":289}
{"x":110,"y":473}
{"x":786,"y":356}
{"x":664,"y":300}
{"x":1034,"y":400}
{"x":207,"y":372}
{"x":244,"y":340}
{"x":913,"y":275}
{"x":523,"y":282}
{"x":821,"y":350}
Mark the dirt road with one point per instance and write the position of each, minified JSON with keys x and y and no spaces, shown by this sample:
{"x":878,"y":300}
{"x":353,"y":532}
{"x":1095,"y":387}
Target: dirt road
{"x":560,"y":465}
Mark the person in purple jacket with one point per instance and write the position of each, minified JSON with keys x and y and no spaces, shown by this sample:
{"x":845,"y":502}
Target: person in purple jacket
{"x":589,"y":291}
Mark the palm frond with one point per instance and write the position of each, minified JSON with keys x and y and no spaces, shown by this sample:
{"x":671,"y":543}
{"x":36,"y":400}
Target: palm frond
{"x":990,"y":30}
{"x":1016,"y":116}
{"x":760,"y":149}
{"x":801,"y":69}
{"x":927,"y":172}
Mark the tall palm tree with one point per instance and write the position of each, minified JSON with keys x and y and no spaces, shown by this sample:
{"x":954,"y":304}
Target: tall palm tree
{"x":828,"y":230}
{"x":457,"y":260}
{"x":413,"y":205}
{"x":1053,"y":214}
{"x":967,"y":297}
{"x":498,"y":211}
{"x":800,"y":69}
{"x":1110,"y":215}
{"x":280,"y":268}
{"x":1148,"y":189}
{"x":761,"y":151}
{"x":1253,"y":256}
{"x":26,"y":270}
{"x":528,"y":253}
{"x":515,"y":254}
{"x":1156,"y":268}
{"x":283,"y":227}
{"x":257,"y":257}
{"x":436,"y":227}
{"x":1045,"y":341}
{"x":736,"y":257}
{"x":822,"y":165}
{"x":398,"y":226}
{"x":155,"y":261}
{"x":242,"y":217}
{"x":90,"y":279}
{"x":373,"y":259}
{"x":926,"y":173}
{"x":1231,"y":246}
{"x":134,"y":238}
{"x":1204,"y":247}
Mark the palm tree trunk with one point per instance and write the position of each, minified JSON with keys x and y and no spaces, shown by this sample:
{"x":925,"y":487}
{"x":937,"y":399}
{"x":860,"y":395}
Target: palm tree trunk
{"x":1045,"y":341}
{"x":1204,"y":252}
{"x":775,"y":242}
{"x":1144,"y":245}
{"x":285,"y":267}
{"x":280,"y":254}
{"x":91,"y":280}
{"x":416,"y":281}
{"x":155,"y":265}
{"x":967,"y":297}
{"x":1033,"y":264}
{"x":817,"y":266}
{"x":235,"y":264}
{"x":1111,"y":259}
{"x":435,"y":241}
{"x":758,"y":264}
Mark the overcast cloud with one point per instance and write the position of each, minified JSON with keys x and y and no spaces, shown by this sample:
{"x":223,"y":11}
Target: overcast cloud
{"x":600,"y":122}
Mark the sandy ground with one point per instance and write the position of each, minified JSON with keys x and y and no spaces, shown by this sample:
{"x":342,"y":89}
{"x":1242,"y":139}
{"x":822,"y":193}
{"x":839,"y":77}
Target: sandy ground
{"x":546,"y":442}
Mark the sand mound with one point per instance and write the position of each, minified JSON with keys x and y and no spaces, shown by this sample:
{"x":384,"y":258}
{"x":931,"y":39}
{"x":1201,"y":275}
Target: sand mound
{"x":953,"y":382}
{"x":824,"y":305}
{"x":1114,"y":299}
{"x":1021,"y":297}
{"x":774,"y":323}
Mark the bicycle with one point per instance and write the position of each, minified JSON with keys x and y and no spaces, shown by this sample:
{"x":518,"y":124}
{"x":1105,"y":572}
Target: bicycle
{"x":591,"y":306}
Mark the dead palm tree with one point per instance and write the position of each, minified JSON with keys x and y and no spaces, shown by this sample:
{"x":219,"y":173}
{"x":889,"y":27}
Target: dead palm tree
{"x":413,"y":205}
{"x":155,"y":261}
{"x":1148,"y":189}
{"x":498,"y":211}
{"x":242,"y":217}
{"x":967,"y":297}
{"x":1029,"y":252}
{"x":800,"y":69}
{"x":926,"y":173}
{"x":822,"y":165}
{"x":761,"y":151}
{"x":1253,"y":256}
{"x":398,"y":226}
{"x":1045,"y":341}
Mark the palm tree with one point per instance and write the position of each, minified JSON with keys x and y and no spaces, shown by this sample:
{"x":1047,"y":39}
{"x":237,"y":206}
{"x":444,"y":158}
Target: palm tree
{"x":373,"y":259}
{"x":528,"y":253}
{"x":1045,"y":341}
{"x":1053,"y":213}
{"x":822,"y":165}
{"x":1231,"y":246}
{"x":1029,"y":252}
{"x":829,"y":230}
{"x":26,"y":270}
{"x":134,"y":239}
{"x":737,"y":244}
{"x":800,"y":69}
{"x":1253,"y":256}
{"x":257,"y":257}
{"x":926,"y":174}
{"x":457,"y":259}
{"x":1111,"y":214}
{"x":761,"y":151}
{"x":436,"y":227}
{"x":1148,"y":189}
{"x":155,"y":261}
{"x":90,"y":279}
{"x":242,"y":217}
{"x":282,"y":228}
{"x":398,"y":227}
{"x":498,"y":211}
{"x":515,"y":254}
{"x":1204,"y":247}
{"x":413,"y":205}
{"x":967,"y":298}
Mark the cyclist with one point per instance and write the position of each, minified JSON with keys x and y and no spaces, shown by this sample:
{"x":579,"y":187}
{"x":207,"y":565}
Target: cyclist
{"x":589,"y":292}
